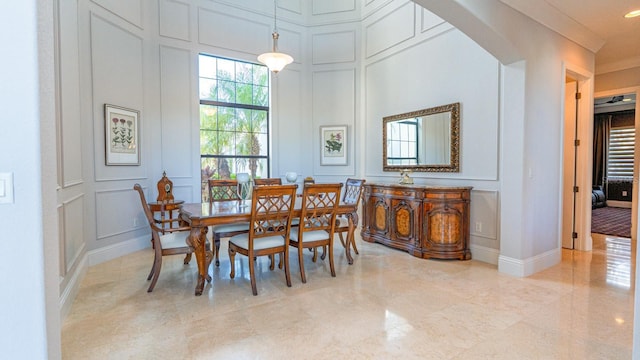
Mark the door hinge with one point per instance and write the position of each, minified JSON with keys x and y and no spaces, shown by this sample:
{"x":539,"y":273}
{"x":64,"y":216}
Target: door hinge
{"x":574,"y":235}
{"x":576,"y":142}
{"x":576,"y":189}
{"x":578,"y":96}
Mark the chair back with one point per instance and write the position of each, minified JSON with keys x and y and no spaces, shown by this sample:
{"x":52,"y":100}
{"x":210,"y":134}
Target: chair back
{"x":271,"y":209}
{"x":155,"y":229}
{"x":319,"y":205}
{"x":221,"y":190}
{"x":267,"y":181}
{"x":353,"y":191}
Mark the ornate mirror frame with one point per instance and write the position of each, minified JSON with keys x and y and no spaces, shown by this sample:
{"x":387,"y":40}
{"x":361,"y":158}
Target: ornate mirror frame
{"x":454,"y":164}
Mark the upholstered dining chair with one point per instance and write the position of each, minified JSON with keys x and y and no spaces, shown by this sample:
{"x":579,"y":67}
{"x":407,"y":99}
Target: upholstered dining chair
{"x":267,"y":181}
{"x":166,"y":241}
{"x":317,"y":222}
{"x":352,"y":195}
{"x":271,"y":212}
{"x":223,"y":190}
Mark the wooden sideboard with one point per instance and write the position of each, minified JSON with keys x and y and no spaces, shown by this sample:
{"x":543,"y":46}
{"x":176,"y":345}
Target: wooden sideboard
{"x":426,"y":221}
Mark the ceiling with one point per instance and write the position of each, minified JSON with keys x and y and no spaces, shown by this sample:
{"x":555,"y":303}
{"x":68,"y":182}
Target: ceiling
{"x":598,"y":25}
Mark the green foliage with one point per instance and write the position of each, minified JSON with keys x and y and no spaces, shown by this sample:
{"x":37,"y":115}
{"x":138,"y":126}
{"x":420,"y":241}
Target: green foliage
{"x":228,"y":130}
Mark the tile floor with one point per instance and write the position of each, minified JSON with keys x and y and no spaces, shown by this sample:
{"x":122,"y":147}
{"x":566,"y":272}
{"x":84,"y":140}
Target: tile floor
{"x":387,"y":305}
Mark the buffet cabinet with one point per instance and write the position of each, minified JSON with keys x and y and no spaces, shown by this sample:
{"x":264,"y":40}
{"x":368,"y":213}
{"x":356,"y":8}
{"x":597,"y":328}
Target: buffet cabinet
{"x":426,"y":221}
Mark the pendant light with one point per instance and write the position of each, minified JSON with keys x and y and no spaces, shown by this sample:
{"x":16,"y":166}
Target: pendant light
{"x":275,"y":60}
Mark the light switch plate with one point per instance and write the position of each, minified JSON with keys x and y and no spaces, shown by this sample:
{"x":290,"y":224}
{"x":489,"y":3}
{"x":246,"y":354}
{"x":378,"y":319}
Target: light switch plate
{"x":6,"y":188}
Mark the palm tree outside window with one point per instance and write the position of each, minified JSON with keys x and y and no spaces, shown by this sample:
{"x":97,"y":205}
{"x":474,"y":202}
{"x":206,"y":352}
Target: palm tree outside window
{"x":234,"y":119}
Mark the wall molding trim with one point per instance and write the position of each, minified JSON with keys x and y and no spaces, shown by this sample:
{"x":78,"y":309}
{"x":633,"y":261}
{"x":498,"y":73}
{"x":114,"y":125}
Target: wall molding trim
{"x":485,"y":254}
{"x":117,"y":250}
{"x":73,"y":286}
{"x":526,"y":267}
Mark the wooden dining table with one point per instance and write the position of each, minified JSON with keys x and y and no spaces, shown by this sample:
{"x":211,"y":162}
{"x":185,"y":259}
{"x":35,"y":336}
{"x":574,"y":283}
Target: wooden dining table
{"x":202,"y":215}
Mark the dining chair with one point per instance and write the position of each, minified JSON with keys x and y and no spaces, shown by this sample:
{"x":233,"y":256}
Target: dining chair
{"x":267,"y":181}
{"x":271,"y":212}
{"x":317,"y":221}
{"x":352,"y":194}
{"x":167,"y":241}
{"x":224,"y":190}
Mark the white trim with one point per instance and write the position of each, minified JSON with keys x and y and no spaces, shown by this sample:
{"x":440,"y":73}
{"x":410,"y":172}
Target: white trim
{"x":73,"y":286}
{"x":485,"y":254}
{"x":526,"y":267}
{"x":114,"y":251}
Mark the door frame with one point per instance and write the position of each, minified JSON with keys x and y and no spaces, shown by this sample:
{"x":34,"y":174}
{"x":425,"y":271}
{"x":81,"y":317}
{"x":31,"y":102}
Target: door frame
{"x":636,"y":155}
{"x":583,"y":158}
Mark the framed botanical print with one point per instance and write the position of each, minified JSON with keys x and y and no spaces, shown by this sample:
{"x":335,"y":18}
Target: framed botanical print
{"x":333,"y":140}
{"x":122,"y":135}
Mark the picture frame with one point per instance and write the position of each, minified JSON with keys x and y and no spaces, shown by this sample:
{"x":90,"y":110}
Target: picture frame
{"x":333,"y":145}
{"x":122,"y":135}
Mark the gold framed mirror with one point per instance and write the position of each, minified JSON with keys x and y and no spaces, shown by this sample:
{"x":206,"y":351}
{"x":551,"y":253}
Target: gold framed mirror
{"x":425,"y":140}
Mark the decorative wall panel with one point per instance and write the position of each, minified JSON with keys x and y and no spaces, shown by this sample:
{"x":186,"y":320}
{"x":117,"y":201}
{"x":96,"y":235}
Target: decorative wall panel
{"x":118,"y":211}
{"x":429,"y":20}
{"x":334,"y":104}
{"x":70,"y":130}
{"x":378,"y":36}
{"x":176,"y":104}
{"x":484,"y":214}
{"x":174,"y":19}
{"x":334,"y":47}
{"x":73,"y":213}
{"x":290,"y":111}
{"x":117,"y":74}
{"x":214,"y":29}
{"x":320,"y":7}
{"x":130,"y":10}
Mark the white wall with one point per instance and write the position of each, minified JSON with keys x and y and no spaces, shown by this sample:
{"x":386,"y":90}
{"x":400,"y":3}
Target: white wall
{"x":30,"y":315}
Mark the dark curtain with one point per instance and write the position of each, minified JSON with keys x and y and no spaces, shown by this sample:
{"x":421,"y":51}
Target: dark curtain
{"x":601,"y":126}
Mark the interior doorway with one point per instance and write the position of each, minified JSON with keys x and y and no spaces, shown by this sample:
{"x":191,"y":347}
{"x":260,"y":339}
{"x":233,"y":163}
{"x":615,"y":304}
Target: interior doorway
{"x":575,"y":232}
{"x":615,"y":164}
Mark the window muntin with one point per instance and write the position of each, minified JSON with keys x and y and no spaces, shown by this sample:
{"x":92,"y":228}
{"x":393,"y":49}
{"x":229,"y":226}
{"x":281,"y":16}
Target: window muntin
{"x":403,"y":148}
{"x":234,"y":119}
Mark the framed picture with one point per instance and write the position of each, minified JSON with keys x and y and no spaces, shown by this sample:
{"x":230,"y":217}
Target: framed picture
{"x":122,"y":135}
{"x":333,"y":140}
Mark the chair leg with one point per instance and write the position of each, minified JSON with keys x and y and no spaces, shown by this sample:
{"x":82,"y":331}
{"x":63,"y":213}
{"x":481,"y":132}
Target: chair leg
{"x":324,"y":252}
{"x":315,"y":254}
{"x":187,"y":259}
{"x":157,"y":265}
{"x":342,"y":240}
{"x":272,"y":262}
{"x":301,"y":263}
{"x":281,"y":257}
{"x":287,"y":272}
{"x":217,"y":246}
{"x":252,"y":275}
{"x":153,"y":268}
{"x":333,"y":269}
{"x":353,"y":244}
{"x":232,"y":256}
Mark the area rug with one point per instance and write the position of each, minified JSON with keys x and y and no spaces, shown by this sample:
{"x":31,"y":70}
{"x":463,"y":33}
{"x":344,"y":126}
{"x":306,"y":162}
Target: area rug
{"x":611,"y":221}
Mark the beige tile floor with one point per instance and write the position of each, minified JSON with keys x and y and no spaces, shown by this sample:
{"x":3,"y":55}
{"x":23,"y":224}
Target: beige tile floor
{"x":388,"y":304}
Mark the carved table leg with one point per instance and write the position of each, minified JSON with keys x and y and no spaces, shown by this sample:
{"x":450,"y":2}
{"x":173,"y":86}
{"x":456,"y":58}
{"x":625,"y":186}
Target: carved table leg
{"x":197,"y":240}
{"x":353,"y":222}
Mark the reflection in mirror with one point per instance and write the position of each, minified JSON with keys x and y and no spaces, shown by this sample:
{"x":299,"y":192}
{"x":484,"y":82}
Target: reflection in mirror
{"x":423,"y":140}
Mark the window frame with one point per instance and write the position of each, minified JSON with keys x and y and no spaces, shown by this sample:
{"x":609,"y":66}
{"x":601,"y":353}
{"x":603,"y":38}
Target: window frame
{"x":264,"y":158}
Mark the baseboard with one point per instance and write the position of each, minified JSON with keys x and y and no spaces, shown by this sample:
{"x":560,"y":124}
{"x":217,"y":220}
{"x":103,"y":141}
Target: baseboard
{"x":526,"y":267}
{"x":114,"y":251}
{"x":620,"y":204}
{"x":485,"y":254}
{"x":73,"y":286}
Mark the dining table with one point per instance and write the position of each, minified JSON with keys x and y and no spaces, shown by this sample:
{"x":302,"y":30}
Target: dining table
{"x":200,"y":216}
